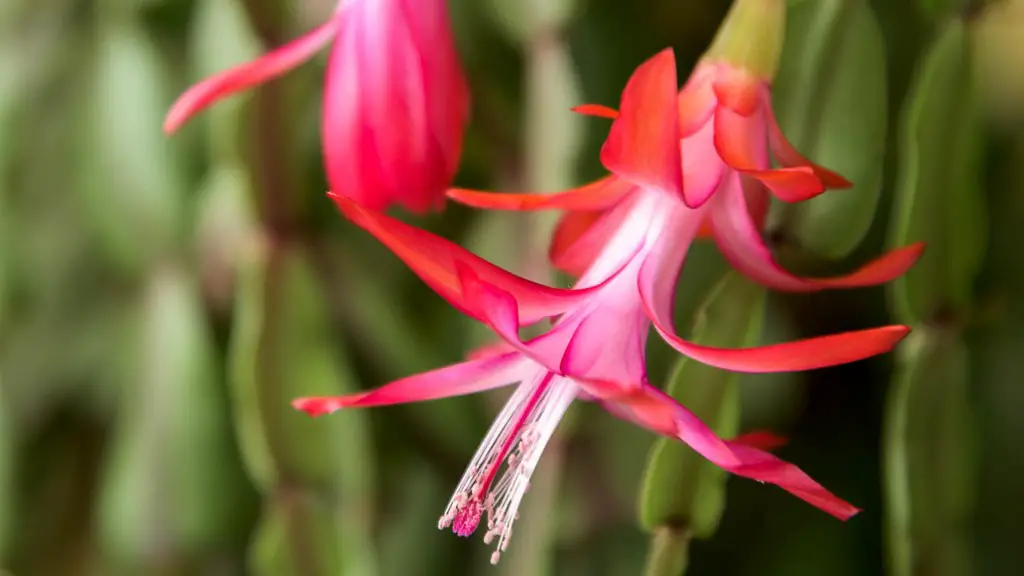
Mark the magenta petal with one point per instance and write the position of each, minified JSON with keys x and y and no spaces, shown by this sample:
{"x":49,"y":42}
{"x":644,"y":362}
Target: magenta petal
{"x":264,"y":68}
{"x":455,"y":380}
{"x":609,"y":347}
{"x":703,"y":169}
{"x":653,"y":409}
{"x":435,"y":260}
{"x":740,"y":241}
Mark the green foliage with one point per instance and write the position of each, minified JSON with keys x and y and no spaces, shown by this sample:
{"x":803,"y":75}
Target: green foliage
{"x":831,"y":102}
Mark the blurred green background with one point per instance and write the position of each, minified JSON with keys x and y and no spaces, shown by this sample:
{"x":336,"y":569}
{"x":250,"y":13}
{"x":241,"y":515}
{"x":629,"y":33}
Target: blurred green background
{"x":163,"y":299}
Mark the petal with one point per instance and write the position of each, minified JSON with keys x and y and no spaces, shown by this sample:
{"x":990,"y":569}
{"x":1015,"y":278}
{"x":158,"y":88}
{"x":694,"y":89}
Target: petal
{"x":657,"y":283}
{"x":264,"y":68}
{"x":738,"y":90}
{"x":703,"y":169}
{"x":740,"y":241}
{"x":597,"y":195}
{"x":469,"y":377}
{"x":741,"y":142}
{"x":567,"y":253}
{"x":697,"y":101}
{"x":598,"y":110}
{"x":436,"y":261}
{"x":643,"y":143}
{"x":787,"y":154}
{"x":581,"y":237}
{"x":762,"y":440}
{"x":653,"y":409}
{"x":609,"y":347}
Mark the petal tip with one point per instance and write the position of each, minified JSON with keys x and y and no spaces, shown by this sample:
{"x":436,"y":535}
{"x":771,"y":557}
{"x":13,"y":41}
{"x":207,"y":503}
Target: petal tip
{"x":315,"y":406}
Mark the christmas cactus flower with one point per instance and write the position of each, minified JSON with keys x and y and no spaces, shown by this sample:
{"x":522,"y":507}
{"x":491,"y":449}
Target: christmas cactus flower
{"x":626,"y":237}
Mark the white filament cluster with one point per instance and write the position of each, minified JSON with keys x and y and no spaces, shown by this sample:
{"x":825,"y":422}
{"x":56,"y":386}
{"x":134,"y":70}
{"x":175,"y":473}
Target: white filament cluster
{"x":518,"y":437}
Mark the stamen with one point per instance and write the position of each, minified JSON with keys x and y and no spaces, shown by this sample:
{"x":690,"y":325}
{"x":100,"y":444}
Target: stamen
{"x":516,"y":439}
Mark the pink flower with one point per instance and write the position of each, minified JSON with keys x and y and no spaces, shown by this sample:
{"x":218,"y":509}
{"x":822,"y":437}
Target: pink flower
{"x":628,"y":250}
{"x":395,"y":100}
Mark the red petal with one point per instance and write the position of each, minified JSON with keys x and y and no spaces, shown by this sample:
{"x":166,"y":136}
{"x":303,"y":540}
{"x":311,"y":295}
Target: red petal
{"x":643,"y":143}
{"x":738,"y":90}
{"x":653,"y":409}
{"x":740,"y":241}
{"x":597,"y":195}
{"x":264,"y":68}
{"x":657,"y":284}
{"x":761,"y":440}
{"x":741,"y":141}
{"x":436,"y":261}
{"x":598,"y":110}
{"x":787,"y":154}
{"x":456,"y":380}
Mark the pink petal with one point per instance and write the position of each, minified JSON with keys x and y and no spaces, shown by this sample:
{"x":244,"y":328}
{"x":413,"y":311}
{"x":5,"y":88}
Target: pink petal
{"x":653,"y":409}
{"x":456,"y":380}
{"x":436,"y":261}
{"x":740,"y":241}
{"x":643,"y":143}
{"x":598,"y":195}
{"x":697,"y":101}
{"x":657,"y":290}
{"x":703,"y":170}
{"x":609,"y":346}
{"x":245,"y":76}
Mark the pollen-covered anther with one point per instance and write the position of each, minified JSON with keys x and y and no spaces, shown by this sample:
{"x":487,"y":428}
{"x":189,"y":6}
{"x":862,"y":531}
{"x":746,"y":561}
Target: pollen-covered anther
{"x":467,"y":518}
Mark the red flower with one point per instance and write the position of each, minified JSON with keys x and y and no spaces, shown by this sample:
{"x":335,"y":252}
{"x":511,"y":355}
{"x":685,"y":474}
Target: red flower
{"x":395,"y":100}
{"x":635,"y":236}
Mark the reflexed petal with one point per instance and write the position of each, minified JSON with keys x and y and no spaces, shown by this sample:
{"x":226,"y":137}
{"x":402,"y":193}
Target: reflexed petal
{"x":653,"y":409}
{"x":436,"y":260}
{"x":657,"y":290}
{"x":703,"y":169}
{"x":740,"y":241}
{"x":598,"y":110}
{"x":469,"y":377}
{"x":787,"y":154}
{"x":264,"y":68}
{"x":740,"y":140}
{"x":597,"y":195}
{"x":643,"y":143}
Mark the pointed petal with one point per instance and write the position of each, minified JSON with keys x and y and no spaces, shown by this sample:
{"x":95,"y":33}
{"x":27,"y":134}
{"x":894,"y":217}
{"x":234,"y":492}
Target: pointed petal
{"x":787,"y":154}
{"x":657,"y":283}
{"x":469,"y":377}
{"x":264,"y":68}
{"x":643,"y":143}
{"x":740,"y":241}
{"x":596,"y":195}
{"x":598,"y":110}
{"x":436,"y":261}
{"x":653,"y":409}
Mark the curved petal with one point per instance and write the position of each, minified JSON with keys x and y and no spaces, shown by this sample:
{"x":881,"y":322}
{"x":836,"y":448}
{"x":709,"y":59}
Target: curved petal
{"x":703,"y":169}
{"x":740,"y":241}
{"x":643,"y":143}
{"x":437,"y":260}
{"x":738,"y":90}
{"x":657,"y":288}
{"x":651,"y":408}
{"x":609,"y":347}
{"x":598,"y":110}
{"x":787,"y":154}
{"x":697,"y":101}
{"x":469,"y":377}
{"x":264,"y":68}
{"x":597,"y":195}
